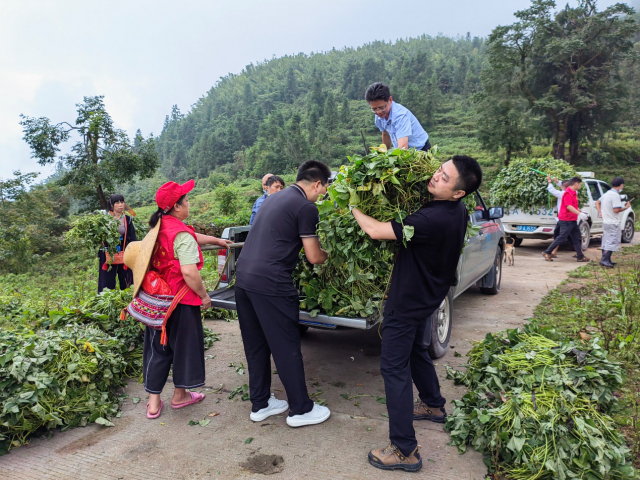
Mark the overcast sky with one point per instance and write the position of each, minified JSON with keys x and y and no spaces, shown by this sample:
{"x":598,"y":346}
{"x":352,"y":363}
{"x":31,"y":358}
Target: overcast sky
{"x":145,"y":56}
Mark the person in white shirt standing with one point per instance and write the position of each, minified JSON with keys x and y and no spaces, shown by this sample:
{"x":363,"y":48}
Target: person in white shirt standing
{"x":609,"y":207}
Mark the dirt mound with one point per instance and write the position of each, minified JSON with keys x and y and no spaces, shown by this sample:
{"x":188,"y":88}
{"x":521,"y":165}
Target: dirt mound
{"x":265,"y":464}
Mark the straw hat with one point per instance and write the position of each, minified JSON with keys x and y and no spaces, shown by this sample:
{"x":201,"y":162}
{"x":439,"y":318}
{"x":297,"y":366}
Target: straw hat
{"x":137,"y":256}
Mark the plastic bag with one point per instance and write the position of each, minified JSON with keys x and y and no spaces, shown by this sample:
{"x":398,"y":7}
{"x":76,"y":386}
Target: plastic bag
{"x":154,"y":284}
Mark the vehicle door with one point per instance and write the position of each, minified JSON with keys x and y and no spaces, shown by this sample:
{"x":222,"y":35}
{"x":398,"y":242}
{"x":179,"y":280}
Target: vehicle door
{"x":594,"y":194}
{"x":604,"y":188}
{"x":475,"y":251}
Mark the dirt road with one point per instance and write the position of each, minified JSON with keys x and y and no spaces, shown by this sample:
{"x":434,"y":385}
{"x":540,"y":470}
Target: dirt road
{"x":338,"y":364}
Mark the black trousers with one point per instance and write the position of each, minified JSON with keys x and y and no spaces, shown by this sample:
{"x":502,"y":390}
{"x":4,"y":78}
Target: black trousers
{"x":184,"y":351}
{"x":107,"y":279}
{"x":568,"y":230}
{"x":427,"y":146}
{"x":406,"y":358}
{"x":269,"y":326}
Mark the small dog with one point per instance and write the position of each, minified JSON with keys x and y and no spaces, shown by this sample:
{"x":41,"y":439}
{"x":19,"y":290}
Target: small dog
{"x":510,"y":251}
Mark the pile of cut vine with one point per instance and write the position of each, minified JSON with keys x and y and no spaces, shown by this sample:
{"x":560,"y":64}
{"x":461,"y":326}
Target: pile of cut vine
{"x":386,"y":185}
{"x":538,"y":408}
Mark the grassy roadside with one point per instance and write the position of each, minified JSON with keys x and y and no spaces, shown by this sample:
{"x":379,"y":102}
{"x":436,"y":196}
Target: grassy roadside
{"x":605,"y":304}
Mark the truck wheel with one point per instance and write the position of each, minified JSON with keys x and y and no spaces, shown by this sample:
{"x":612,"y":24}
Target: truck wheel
{"x":441,"y":321}
{"x":628,"y":231}
{"x":517,"y":241}
{"x":497,"y":275}
{"x":585,"y":232}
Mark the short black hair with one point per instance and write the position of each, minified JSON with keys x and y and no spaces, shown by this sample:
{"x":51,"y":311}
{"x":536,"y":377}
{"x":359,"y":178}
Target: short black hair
{"x":575,"y":180}
{"x":469,"y":173}
{"x":115,"y":198}
{"x":616,"y":182}
{"x":564,"y":184}
{"x":377,"y":91}
{"x":274,"y":179}
{"x":312,"y":171}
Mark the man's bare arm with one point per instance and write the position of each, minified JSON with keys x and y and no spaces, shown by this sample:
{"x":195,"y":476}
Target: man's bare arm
{"x":312,"y":250}
{"x":403,"y":143}
{"x":372,"y":227}
{"x":386,"y":139}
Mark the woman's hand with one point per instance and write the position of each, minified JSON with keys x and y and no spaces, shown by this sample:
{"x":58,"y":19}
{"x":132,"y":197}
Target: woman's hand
{"x":206,"y":302}
{"x":222,"y":243}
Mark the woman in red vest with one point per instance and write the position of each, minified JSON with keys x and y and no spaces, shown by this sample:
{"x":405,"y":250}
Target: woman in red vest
{"x":178,"y":259}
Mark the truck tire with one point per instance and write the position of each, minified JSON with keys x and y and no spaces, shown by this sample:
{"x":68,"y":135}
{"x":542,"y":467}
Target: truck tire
{"x":628,"y":230}
{"x":585,"y":232}
{"x":497,"y":275}
{"x":517,"y":241}
{"x":441,"y":322}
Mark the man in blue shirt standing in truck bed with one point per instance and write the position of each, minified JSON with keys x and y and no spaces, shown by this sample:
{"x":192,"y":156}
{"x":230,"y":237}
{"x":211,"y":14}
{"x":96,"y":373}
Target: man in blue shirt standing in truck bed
{"x":400,"y":128}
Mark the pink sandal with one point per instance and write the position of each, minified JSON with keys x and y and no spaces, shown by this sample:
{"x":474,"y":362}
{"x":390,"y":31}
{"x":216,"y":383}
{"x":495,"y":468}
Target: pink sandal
{"x":195,"y":398}
{"x":157,"y":414}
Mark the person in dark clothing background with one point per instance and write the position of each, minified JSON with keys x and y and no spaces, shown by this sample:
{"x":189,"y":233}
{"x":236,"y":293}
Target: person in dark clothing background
{"x":267,"y":300}
{"x":107,"y":276}
{"x":423,"y":273}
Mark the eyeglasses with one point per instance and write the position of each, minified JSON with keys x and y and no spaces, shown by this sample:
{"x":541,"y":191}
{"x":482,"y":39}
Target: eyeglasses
{"x":379,"y":109}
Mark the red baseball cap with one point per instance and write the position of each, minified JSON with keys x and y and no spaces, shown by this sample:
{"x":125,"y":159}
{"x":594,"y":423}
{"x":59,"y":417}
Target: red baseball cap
{"x":169,"y":193}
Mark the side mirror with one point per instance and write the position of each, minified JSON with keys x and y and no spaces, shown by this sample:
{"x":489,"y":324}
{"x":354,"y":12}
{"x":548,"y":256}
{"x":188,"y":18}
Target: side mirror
{"x":496,"y":213}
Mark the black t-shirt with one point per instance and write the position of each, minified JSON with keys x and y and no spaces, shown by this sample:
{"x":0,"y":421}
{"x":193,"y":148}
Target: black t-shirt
{"x":270,"y":252}
{"x":426,"y":269}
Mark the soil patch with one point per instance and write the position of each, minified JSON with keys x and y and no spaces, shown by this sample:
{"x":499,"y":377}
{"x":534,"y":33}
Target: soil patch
{"x":264,"y":464}
{"x":570,"y":287}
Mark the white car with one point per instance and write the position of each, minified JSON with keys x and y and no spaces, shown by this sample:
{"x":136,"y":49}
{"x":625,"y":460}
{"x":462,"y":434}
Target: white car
{"x":539,"y":223}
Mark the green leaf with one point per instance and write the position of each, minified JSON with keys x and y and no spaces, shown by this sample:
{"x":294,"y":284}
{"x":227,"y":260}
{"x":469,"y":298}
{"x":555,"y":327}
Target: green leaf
{"x":248,"y":440}
{"x":104,"y":421}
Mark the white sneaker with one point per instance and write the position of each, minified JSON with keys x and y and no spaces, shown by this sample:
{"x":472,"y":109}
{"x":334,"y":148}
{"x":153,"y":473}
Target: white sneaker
{"x":317,"y":415}
{"x":274,"y":407}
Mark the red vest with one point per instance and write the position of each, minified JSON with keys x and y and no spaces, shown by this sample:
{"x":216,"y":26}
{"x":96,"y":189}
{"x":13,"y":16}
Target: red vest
{"x":166,"y":264}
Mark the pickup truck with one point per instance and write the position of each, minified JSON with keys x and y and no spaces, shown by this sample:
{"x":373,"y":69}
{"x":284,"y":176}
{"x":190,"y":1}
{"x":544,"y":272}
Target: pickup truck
{"x":480,"y":264}
{"x":539,"y":223}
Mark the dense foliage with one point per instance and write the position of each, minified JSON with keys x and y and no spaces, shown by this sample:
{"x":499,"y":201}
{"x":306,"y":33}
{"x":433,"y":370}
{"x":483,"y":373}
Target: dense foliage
{"x":564,"y":67}
{"x":66,"y":367}
{"x":519,"y":185}
{"x":537,"y":408}
{"x":387,"y":185}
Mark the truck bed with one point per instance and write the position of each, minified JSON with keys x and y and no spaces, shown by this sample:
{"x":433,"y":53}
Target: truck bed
{"x":226,"y":298}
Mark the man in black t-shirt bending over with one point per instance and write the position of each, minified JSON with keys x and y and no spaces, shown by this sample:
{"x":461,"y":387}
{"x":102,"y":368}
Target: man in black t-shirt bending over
{"x":267,"y":300}
{"x":423,"y":273}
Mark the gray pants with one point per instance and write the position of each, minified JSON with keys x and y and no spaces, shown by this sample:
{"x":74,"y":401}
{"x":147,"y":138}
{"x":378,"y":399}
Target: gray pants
{"x":611,"y":236}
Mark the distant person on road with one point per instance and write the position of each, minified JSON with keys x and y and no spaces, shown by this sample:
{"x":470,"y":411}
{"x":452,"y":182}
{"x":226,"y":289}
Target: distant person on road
{"x":267,"y":300}
{"x":424,"y":271}
{"x":609,"y":207}
{"x":260,"y":199}
{"x":568,"y":217}
{"x":108,"y":272}
{"x":551,"y":188}
{"x":400,"y":128}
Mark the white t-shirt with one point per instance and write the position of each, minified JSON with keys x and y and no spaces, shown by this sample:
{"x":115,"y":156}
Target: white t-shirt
{"x":608,"y":202}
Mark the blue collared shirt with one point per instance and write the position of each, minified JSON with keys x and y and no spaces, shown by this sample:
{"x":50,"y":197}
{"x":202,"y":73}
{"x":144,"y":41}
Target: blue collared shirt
{"x":402,"y":123}
{"x":256,"y":206}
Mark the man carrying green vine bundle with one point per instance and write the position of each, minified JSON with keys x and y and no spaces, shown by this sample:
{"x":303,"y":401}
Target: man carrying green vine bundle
{"x":424,"y":271}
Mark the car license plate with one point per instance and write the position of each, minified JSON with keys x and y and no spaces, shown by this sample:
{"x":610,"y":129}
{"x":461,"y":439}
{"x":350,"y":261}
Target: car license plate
{"x":526,"y":228}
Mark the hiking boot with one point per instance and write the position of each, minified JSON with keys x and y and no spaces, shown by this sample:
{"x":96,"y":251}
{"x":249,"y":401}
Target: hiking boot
{"x":274,"y":407}
{"x":547,"y":256}
{"x":421,"y":411}
{"x":318,"y":414}
{"x":391,"y":458}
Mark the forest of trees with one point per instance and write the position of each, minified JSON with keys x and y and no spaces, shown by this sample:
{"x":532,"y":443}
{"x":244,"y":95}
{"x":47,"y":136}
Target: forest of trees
{"x":550,"y":78}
